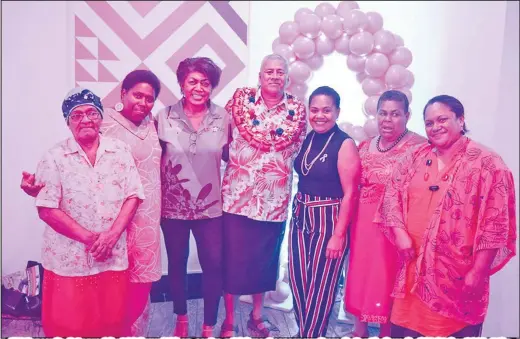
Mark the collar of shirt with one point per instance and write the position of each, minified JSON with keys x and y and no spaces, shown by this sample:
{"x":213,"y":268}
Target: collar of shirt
{"x":176,"y":112}
{"x":140,"y":131}
{"x":104,"y":146}
{"x":260,"y":100}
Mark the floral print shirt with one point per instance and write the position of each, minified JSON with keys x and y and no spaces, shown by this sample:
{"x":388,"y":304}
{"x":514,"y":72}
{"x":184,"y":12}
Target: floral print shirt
{"x":191,"y":162}
{"x":476,"y":212}
{"x":258,"y":178}
{"x":92,"y":196}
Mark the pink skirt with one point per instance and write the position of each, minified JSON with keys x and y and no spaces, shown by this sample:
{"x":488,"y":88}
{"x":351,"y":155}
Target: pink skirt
{"x":371,"y":271}
{"x":90,"y":306}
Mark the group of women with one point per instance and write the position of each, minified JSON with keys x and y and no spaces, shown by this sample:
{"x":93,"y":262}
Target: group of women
{"x":427,"y":221}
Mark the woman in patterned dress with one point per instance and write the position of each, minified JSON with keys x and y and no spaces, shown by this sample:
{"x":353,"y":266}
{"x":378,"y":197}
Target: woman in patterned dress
{"x":452,"y":218}
{"x":373,"y":259}
{"x":131,"y":121}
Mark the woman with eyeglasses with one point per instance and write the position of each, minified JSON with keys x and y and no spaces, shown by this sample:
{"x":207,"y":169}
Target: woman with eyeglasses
{"x":131,"y":121}
{"x":90,"y":191}
{"x":193,"y":134}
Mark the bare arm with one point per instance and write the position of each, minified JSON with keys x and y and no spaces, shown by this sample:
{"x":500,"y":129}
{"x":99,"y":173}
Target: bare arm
{"x":349,"y":168}
{"x":65,"y":225}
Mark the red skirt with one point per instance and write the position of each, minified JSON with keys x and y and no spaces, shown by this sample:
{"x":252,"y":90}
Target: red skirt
{"x":90,"y":306}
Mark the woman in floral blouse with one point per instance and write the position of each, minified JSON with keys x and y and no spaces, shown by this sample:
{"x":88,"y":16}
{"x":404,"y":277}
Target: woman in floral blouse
{"x":91,"y":191}
{"x":452,"y":218}
{"x":193,"y":134}
{"x":269,"y":126}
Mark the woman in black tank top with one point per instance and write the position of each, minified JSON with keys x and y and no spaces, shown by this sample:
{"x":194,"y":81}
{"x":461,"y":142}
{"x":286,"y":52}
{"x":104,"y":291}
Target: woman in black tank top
{"x":329,"y":171}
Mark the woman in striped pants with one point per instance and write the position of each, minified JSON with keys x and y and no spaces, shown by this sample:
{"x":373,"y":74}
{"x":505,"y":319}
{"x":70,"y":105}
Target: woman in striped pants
{"x":329,"y":170}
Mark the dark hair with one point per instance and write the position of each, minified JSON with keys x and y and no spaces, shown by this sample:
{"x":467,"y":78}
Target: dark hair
{"x":394,"y":95}
{"x":328,"y":91}
{"x":203,"y":65}
{"x":453,"y":104}
{"x":141,"y":75}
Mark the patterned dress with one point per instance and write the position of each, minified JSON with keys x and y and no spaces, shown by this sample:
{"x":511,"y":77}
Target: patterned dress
{"x":373,"y":259}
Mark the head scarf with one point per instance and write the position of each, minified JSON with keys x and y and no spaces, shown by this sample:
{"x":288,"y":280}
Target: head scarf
{"x":80,"y":96}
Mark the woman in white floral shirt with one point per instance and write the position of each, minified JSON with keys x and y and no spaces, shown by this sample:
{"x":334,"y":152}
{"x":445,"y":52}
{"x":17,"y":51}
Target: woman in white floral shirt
{"x":91,"y":190}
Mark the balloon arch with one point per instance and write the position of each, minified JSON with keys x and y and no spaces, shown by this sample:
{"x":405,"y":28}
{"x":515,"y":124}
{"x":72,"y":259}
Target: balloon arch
{"x":377,"y":56}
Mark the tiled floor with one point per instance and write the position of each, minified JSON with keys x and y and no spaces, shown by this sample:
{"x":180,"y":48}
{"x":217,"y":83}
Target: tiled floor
{"x":162,"y":322}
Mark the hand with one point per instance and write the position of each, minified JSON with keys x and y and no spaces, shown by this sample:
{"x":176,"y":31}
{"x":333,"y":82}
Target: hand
{"x":335,"y":247}
{"x":404,"y":244}
{"x":102,"y":248}
{"x":474,"y":281}
{"x":28,"y":185}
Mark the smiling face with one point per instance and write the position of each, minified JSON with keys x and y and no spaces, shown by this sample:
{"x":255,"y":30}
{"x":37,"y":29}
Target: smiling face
{"x":273,"y":76}
{"x":84,"y":123}
{"x":443,"y":128}
{"x":323,"y":113}
{"x":391,"y":120}
{"x":196,"y":88}
{"x":137,"y":102}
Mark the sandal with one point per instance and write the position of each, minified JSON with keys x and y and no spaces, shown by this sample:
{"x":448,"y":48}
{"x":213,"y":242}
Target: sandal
{"x":207,"y":331}
{"x":181,"y":329}
{"x":253,"y":325}
{"x":228,"y":331}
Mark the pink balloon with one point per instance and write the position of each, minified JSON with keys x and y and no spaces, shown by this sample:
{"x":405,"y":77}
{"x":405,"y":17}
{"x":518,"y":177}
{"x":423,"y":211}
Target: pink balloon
{"x":300,"y":14}
{"x":371,"y":128}
{"x":289,"y":31}
{"x":410,"y":79}
{"x":346,"y":6}
{"x":356,"y":63}
{"x":384,"y":41}
{"x":361,"y":43}
{"x":276,"y":42}
{"x":324,"y":45}
{"x":346,"y":127}
{"x":298,"y":90}
{"x":299,"y":72}
{"x":324,"y":9}
{"x":342,"y":44}
{"x":370,"y":105}
{"x":303,"y":47}
{"x":373,"y":86}
{"x":376,"y":65}
{"x":401,"y":56}
{"x":361,"y":76}
{"x":315,"y":61}
{"x":375,"y":22}
{"x":406,"y":92}
{"x":358,"y":133}
{"x":354,"y":21}
{"x":310,"y":25}
{"x":331,"y":26}
{"x":396,"y":76}
{"x":398,"y":40}
{"x":285,"y":51}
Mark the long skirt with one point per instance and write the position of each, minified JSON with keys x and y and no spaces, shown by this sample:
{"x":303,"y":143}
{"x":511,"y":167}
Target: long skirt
{"x":89,"y":306}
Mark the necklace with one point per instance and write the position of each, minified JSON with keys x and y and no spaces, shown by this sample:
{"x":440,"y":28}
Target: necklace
{"x":305,"y":166}
{"x":391,"y":146}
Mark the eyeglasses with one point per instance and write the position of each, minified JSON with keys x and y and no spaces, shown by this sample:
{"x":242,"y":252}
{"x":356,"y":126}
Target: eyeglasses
{"x":91,"y":115}
{"x":193,"y":142}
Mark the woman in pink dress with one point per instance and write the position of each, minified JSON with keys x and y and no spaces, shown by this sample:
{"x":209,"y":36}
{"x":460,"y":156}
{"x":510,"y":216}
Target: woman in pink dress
{"x":131,"y":121}
{"x":373,"y":259}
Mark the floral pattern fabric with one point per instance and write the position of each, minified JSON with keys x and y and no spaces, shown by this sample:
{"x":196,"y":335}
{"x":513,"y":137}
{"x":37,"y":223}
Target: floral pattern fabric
{"x":476,"y":212}
{"x":143,"y":234}
{"x":92,"y":196}
{"x":191,"y":162}
{"x":258,"y":177}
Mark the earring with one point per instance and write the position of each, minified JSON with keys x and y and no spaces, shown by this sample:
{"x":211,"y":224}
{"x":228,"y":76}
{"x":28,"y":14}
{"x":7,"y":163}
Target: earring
{"x":119,"y":106}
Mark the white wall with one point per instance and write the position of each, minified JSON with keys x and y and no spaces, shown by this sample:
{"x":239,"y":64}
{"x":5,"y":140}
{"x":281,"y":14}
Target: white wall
{"x":466,"y":49}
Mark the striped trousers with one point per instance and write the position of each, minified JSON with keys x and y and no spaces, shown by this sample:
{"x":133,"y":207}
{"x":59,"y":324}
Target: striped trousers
{"x":313,"y":277}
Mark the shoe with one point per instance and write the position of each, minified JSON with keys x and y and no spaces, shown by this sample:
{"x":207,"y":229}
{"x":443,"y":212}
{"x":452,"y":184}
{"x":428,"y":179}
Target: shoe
{"x":228,"y":331}
{"x":181,"y":329}
{"x":255,"y":328}
{"x":207,"y":331}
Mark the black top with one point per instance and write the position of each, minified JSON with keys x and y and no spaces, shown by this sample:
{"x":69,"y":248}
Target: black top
{"x":323,"y":178}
